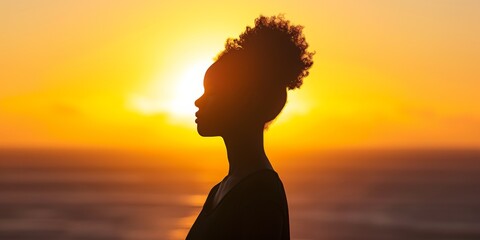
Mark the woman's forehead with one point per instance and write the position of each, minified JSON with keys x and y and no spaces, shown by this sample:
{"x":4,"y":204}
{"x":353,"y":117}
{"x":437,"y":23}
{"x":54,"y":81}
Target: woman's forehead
{"x":238,"y":71}
{"x":222,"y":75}
{"x":212,"y":76}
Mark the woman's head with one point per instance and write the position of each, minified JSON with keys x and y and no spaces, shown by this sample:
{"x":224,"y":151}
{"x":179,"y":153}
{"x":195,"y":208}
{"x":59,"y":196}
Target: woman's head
{"x":247,"y":85}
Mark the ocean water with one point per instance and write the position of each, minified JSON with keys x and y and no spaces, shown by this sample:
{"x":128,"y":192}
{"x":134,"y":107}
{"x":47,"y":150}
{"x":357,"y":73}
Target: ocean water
{"x":336,"y":195}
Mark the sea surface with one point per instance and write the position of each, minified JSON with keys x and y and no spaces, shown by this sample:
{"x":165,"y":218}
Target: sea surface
{"x":333,"y":195}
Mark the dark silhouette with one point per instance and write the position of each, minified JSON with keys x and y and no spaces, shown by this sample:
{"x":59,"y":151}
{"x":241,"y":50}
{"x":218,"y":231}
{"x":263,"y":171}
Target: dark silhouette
{"x":245,"y":89}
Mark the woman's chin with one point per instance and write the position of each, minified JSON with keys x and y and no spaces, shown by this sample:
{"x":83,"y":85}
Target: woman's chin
{"x":205,"y":132}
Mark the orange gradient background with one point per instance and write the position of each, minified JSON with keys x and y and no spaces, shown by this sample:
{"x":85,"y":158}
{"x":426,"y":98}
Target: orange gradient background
{"x":124,"y":74}
{"x":98,"y":139}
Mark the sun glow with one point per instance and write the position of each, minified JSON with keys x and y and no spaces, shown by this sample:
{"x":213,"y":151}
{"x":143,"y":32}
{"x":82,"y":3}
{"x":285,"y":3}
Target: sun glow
{"x":176,"y":97}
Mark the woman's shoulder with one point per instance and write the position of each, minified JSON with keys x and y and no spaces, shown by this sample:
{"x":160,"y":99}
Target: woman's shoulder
{"x":263,"y":197}
{"x":264,"y":183}
{"x":262,"y":187}
{"x":264,"y":176}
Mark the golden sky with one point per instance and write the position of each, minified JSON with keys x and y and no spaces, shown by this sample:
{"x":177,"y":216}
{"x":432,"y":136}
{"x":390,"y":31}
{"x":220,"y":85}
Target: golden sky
{"x":124,"y":74}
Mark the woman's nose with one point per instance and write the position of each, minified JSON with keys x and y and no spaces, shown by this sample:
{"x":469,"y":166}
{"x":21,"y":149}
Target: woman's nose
{"x":199,"y":101}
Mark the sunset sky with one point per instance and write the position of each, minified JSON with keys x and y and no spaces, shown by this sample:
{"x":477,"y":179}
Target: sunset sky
{"x":124,"y":74}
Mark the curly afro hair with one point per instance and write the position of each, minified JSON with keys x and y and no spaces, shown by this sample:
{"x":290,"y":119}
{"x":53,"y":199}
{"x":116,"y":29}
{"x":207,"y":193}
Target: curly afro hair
{"x":277,"y":46}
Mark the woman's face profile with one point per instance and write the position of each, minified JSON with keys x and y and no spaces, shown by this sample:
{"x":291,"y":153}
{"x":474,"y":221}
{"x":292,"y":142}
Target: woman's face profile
{"x":221,"y":107}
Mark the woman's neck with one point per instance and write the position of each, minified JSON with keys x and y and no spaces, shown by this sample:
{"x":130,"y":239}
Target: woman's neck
{"x":246,"y":153}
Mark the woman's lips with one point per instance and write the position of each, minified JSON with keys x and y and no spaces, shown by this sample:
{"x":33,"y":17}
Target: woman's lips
{"x":196,"y":119}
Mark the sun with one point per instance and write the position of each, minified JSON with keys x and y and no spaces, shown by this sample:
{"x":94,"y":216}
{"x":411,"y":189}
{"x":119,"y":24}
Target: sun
{"x":174,"y":92}
{"x":188,"y":88}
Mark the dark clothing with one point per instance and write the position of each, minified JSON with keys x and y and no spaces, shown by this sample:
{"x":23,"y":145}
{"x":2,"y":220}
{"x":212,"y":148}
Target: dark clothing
{"x":255,"y":208}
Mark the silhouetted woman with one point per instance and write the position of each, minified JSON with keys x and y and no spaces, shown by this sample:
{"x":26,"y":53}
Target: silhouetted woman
{"x":245,"y":89}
